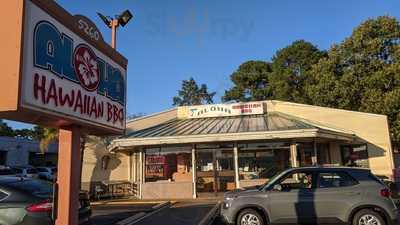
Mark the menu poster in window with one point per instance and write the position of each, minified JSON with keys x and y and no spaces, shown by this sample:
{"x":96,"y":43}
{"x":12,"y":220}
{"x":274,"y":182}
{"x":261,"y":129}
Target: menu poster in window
{"x":156,"y":170}
{"x":155,"y":159}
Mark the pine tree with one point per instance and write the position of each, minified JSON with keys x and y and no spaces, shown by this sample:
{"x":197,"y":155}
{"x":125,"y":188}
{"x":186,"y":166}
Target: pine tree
{"x":191,"y":94}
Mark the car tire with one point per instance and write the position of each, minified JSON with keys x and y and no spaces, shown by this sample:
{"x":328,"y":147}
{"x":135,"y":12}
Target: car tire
{"x":248,"y":215}
{"x":367,"y":214}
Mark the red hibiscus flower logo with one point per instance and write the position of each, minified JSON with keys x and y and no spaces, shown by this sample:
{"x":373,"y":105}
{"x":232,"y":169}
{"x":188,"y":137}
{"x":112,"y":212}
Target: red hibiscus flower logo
{"x":86,"y":69}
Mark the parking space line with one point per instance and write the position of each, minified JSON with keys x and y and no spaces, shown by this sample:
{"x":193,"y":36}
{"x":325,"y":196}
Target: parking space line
{"x":210,"y":216}
{"x":130,"y":219}
{"x":135,"y":219}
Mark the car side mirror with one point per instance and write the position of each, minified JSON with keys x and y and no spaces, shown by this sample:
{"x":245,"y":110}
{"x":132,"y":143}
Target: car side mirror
{"x":277,"y":187}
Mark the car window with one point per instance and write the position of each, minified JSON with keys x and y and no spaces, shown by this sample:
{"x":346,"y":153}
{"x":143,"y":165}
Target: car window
{"x":335,"y":179}
{"x":36,"y":187}
{"x":16,"y":170}
{"x":297,"y":180}
{"x":31,"y":171}
{"x":6,"y":172}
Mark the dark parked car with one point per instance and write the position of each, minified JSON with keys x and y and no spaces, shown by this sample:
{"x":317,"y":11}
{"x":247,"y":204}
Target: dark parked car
{"x":27,"y":201}
{"x":5,"y":171}
{"x":25,"y":171}
{"x":46,"y":173}
{"x":313,"y":195}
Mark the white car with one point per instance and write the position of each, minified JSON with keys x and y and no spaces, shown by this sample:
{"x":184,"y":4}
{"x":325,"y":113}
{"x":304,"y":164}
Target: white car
{"x":25,"y":172}
{"x":46,"y":173}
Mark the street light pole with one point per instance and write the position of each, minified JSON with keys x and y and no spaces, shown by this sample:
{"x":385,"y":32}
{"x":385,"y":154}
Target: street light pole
{"x":114,"y":23}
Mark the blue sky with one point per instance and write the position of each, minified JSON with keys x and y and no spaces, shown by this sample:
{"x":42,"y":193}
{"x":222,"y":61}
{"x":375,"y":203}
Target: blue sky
{"x":168,"y":41}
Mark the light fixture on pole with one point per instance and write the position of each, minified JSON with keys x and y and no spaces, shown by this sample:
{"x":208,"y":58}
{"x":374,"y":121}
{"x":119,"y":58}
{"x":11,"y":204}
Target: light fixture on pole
{"x":113,"y":23}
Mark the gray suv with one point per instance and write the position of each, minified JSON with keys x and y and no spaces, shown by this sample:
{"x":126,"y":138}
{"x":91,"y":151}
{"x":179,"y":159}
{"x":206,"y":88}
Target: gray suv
{"x":316,"y":195}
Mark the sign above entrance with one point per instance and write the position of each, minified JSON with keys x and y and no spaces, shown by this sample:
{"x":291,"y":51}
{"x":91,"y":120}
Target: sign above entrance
{"x":220,"y":110}
{"x":64,"y":73}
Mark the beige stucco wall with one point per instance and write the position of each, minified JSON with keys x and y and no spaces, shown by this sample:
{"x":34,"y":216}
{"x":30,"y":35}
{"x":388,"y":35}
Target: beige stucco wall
{"x":92,"y":172}
{"x":371,"y":128}
{"x":167,"y":190}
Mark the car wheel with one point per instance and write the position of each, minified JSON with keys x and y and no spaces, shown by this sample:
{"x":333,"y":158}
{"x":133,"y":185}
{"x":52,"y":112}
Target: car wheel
{"x":250,"y":217}
{"x":368,"y":217}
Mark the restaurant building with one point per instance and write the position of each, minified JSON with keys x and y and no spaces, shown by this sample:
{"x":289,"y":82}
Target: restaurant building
{"x":198,"y":151}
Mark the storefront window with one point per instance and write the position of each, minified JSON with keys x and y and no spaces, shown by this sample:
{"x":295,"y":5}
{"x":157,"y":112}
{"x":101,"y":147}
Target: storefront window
{"x":305,"y":152}
{"x":355,"y":155}
{"x":258,"y":163}
{"x":224,"y":160}
{"x":169,"y":164}
{"x":323,"y":154}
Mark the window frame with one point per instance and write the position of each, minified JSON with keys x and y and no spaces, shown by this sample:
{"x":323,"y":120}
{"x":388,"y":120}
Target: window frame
{"x":166,"y":164}
{"x":351,"y":148}
{"x":355,"y":182}
{"x":270,"y":166}
{"x":313,"y":177}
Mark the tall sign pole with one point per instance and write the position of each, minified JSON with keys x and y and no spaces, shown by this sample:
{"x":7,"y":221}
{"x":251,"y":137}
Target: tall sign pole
{"x":67,"y":178}
{"x":59,"y":72}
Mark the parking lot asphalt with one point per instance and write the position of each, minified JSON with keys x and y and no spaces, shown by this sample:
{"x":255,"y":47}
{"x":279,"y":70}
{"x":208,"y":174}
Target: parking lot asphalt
{"x":109,"y":214}
{"x":181,"y":213}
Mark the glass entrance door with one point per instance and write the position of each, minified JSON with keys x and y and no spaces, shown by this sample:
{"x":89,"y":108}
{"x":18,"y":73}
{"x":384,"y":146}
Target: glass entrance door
{"x":215,"y":170}
{"x":205,"y":171}
{"x":225,"y":170}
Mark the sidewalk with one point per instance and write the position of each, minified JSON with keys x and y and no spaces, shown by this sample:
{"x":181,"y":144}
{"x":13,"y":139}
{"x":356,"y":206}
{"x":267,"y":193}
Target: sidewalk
{"x":125,"y":201}
{"x":152,"y":201}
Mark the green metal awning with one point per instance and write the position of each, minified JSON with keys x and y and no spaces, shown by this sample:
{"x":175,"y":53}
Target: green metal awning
{"x":269,"y":126}
{"x":222,"y":125}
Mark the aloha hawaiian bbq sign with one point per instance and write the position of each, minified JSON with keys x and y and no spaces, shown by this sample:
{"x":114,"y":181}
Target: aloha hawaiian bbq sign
{"x":220,"y":110}
{"x":64,"y":75}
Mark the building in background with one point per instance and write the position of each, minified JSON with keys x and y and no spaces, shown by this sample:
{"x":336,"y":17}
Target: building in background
{"x":196,"y":151}
{"x":23,"y":152}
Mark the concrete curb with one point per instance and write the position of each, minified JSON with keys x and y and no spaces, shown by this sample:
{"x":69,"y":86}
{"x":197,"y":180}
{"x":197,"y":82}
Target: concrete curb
{"x":140,"y":216}
{"x":132,"y":202}
{"x":211,"y":215}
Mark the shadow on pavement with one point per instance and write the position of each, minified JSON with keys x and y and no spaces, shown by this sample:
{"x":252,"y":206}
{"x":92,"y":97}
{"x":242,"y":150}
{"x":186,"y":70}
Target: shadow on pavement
{"x":111,"y":214}
{"x":179,"y":214}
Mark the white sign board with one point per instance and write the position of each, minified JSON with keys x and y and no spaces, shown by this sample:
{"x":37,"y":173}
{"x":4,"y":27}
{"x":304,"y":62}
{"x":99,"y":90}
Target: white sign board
{"x":65,"y":76}
{"x":220,"y":110}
